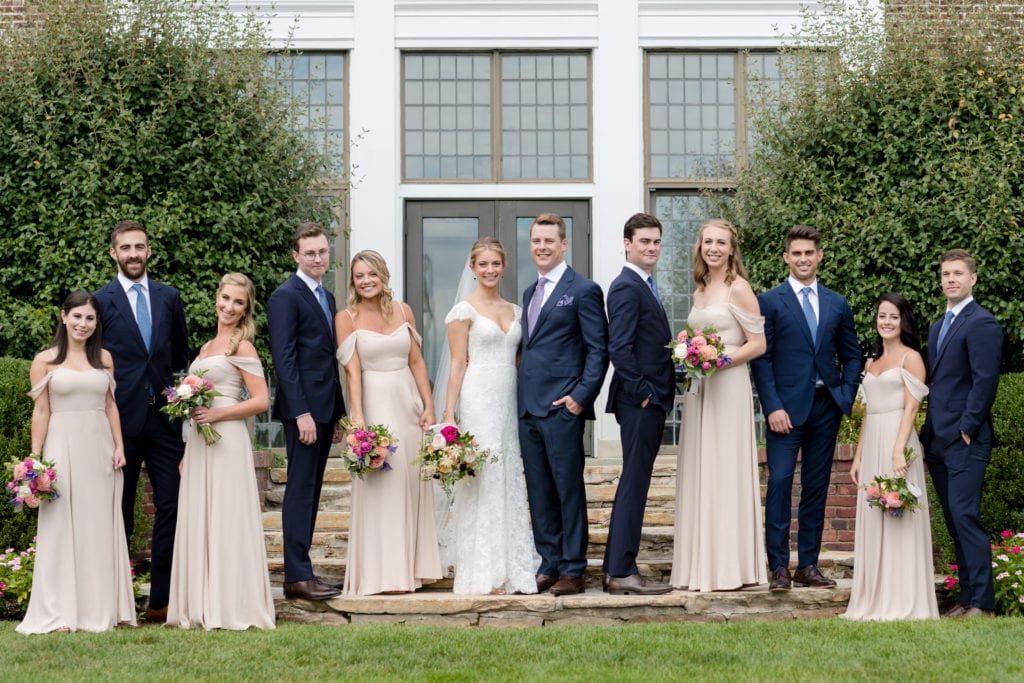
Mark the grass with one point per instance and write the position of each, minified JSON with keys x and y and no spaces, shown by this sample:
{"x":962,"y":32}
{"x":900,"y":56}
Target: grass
{"x":826,"y":650}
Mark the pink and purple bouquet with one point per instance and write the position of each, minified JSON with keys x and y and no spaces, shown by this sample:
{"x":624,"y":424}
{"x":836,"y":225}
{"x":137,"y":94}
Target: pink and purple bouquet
{"x":192,"y":392}
{"x":894,"y":495}
{"x":32,"y":482}
{"x":449,"y":455}
{"x":368,"y":448}
{"x":698,"y":353}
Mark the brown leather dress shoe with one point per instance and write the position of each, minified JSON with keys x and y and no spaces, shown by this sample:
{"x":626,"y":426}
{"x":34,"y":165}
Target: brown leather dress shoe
{"x":780,"y":580}
{"x":634,"y":584}
{"x":605,"y":578}
{"x":568,"y":585}
{"x":330,"y":584}
{"x":545,"y":582}
{"x":309,"y":590}
{"x":955,"y":612}
{"x":972,"y":612}
{"x":156,"y":616}
{"x":811,"y":577}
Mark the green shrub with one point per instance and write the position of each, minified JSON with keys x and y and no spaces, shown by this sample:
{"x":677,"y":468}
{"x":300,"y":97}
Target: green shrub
{"x":16,"y":528}
{"x":160,"y":110}
{"x":897,"y":151}
{"x":1002,"y":502}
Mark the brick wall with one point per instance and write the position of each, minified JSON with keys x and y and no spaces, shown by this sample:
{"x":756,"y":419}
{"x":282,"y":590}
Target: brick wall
{"x":13,"y":12}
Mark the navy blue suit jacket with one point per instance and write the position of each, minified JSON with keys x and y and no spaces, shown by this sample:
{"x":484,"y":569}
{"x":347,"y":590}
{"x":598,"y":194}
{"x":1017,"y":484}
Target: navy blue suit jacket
{"x":963,"y":377}
{"x":136,"y":370}
{"x":302,"y":345}
{"x":638,"y":334}
{"x":785,"y":374}
{"x":568,"y":355}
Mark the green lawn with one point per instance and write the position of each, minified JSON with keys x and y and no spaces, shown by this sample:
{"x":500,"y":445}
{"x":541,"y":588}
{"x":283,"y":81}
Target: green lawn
{"x":830,"y":650}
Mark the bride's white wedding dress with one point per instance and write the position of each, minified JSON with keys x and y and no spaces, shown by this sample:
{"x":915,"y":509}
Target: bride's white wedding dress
{"x":493,"y":543}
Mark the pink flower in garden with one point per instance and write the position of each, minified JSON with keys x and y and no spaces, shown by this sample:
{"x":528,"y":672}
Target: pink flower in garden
{"x":950,"y":582}
{"x":449,"y":433}
{"x":1006,"y":533}
{"x":1015,"y":549}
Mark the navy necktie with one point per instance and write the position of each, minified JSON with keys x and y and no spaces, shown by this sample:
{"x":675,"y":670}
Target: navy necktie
{"x":654,"y":288}
{"x":142,"y":317}
{"x":812,"y":321}
{"x":947,"y":322}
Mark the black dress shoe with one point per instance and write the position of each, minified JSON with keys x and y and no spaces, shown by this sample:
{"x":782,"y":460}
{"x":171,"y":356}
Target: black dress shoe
{"x":811,"y":577}
{"x":568,"y":585}
{"x":634,"y":584}
{"x":545,"y":582}
{"x":605,"y":578}
{"x":955,"y":612}
{"x":780,"y":580}
{"x":309,"y":590}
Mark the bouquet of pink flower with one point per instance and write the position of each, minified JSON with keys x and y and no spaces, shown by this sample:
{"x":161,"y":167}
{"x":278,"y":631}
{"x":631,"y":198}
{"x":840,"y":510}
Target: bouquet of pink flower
{"x":192,"y":392}
{"x":697,"y":353}
{"x":368,"y":448}
{"x":449,"y":455}
{"x":31,"y":482}
{"x":894,"y":495}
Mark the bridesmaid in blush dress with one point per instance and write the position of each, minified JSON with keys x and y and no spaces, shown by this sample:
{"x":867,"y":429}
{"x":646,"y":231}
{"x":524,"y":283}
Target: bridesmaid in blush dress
{"x":719,"y":535}
{"x":219,"y":574}
{"x":392,"y":543}
{"x":893,"y":577}
{"x":82,"y":576}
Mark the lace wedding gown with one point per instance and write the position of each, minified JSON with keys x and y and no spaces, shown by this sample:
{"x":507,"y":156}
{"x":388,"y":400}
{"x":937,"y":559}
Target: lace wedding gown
{"x":493,"y":542}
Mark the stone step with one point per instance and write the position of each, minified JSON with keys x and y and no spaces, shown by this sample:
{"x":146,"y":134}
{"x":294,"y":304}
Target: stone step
{"x":593,"y":607}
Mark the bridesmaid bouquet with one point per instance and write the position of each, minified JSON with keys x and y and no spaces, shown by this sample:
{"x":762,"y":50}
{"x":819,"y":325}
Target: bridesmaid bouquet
{"x":192,"y":392}
{"x":697,"y":353}
{"x":449,"y":455}
{"x":894,"y":495}
{"x":368,"y":448}
{"x":31,"y":482}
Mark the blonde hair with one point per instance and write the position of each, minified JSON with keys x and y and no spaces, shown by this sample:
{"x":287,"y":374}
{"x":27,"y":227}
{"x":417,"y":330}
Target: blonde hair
{"x":246,"y":328}
{"x":735,"y":267}
{"x":379,"y":266}
{"x":486,"y":244}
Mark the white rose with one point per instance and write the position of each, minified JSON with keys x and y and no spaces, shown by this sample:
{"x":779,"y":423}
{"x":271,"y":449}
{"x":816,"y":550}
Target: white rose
{"x":438,"y":441}
{"x":24,"y":491}
{"x":183,"y":392}
{"x":679,"y":352}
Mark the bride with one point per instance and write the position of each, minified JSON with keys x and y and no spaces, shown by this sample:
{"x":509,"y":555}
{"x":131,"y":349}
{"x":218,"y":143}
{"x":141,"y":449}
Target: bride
{"x":493,"y":544}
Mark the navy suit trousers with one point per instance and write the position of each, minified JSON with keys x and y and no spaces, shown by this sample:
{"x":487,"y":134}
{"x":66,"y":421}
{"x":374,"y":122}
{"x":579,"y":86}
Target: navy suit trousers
{"x":306,"y":465}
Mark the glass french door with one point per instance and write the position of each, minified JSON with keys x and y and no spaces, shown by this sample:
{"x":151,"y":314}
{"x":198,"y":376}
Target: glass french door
{"x":439,"y":235}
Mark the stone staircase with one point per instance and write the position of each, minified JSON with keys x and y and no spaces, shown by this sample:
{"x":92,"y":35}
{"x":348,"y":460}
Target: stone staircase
{"x":435,"y":603}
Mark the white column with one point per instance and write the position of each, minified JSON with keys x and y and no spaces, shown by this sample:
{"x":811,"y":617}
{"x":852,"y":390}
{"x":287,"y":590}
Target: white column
{"x":618,"y":159}
{"x":375,"y":215}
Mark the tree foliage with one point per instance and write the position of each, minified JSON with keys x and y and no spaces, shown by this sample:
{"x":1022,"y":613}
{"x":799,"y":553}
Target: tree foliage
{"x":899,"y":138}
{"x":159,"y":110}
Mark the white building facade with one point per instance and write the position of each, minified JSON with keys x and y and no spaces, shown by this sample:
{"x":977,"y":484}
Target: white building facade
{"x":464,"y":118}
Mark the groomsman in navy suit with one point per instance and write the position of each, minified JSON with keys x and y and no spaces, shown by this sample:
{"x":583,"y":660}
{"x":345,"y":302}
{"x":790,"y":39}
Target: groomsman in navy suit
{"x":300,"y":315}
{"x":564,"y":358}
{"x":806,"y":380}
{"x":144,"y":330}
{"x":641,"y":394}
{"x":964,"y":349}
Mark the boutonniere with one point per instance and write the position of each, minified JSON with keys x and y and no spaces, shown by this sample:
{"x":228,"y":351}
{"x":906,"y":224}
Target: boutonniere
{"x":564,"y":300}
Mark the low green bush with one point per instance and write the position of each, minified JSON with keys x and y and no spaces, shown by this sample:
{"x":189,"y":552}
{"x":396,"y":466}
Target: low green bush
{"x":16,"y":528}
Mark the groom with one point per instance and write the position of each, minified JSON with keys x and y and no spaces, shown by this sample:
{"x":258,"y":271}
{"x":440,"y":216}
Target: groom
{"x":806,"y":379}
{"x":641,"y":394}
{"x":964,"y":348}
{"x":563,"y":361}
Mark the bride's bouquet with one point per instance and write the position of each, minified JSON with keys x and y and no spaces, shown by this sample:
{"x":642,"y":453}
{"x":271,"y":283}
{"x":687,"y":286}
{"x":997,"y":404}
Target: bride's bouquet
{"x":894,"y":495}
{"x":698,"y":353}
{"x":31,"y":482}
{"x":192,"y":392}
{"x":367,"y":448}
{"x":449,"y":455}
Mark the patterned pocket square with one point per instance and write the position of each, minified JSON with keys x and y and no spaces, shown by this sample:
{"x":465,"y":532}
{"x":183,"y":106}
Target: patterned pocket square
{"x":564,"y":300}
